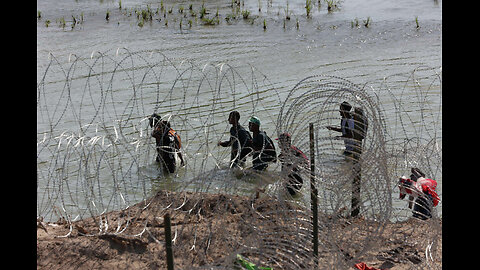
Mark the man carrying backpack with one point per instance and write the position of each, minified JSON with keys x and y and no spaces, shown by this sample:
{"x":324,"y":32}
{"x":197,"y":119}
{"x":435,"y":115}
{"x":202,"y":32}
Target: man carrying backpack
{"x":263,"y":148}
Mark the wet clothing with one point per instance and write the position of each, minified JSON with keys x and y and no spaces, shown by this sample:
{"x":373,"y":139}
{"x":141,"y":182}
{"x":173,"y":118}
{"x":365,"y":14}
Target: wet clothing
{"x":291,"y":161}
{"x":239,"y":138}
{"x":168,"y":142}
{"x":347,"y":126}
{"x":424,"y":191}
{"x":264,"y":151}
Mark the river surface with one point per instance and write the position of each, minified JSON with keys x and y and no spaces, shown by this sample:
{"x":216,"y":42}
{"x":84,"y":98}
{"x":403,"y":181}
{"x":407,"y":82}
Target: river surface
{"x":267,"y":50}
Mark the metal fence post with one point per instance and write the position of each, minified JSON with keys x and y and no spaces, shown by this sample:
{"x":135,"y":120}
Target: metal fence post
{"x":168,"y":241}
{"x":313,"y":193}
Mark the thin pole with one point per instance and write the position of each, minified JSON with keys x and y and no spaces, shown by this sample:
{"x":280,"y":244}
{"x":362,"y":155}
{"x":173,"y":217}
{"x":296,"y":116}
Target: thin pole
{"x":168,"y":241}
{"x":314,"y":193}
{"x":356,"y":183}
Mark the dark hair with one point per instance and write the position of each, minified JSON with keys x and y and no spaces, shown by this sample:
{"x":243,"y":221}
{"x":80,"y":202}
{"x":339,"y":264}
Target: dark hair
{"x":417,"y":172}
{"x":153,"y":117}
{"x":235,"y":115}
{"x":345,"y":106}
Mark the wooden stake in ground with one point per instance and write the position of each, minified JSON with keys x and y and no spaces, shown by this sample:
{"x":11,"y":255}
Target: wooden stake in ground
{"x":168,"y":241}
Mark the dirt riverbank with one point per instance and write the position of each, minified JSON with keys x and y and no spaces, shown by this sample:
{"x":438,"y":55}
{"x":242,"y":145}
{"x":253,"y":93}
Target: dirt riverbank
{"x":210,"y":229}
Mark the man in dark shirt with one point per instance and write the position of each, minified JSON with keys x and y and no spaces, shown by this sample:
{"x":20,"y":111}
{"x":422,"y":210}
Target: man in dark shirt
{"x":239,"y":137}
{"x":346,"y":128}
{"x":168,"y":143}
{"x":263,"y":148}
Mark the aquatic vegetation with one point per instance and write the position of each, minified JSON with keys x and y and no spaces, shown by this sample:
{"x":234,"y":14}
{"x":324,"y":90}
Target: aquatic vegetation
{"x":287,"y":13}
{"x":355,"y":23}
{"x":210,"y":21}
{"x":47,"y":23}
{"x":74,"y":21}
{"x":366,"y":23}
{"x":62,"y":22}
{"x":230,"y":17}
{"x":203,"y":11}
{"x":416,"y":22}
{"x":238,"y":12}
{"x":245,"y":14}
{"x":308,"y":7}
{"x":331,"y":5}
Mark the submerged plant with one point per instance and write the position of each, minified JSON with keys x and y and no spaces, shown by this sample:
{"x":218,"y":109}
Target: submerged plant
{"x":264,"y":24}
{"x":62,"y":22}
{"x":287,"y":13}
{"x":203,"y":11}
{"x":416,"y":21}
{"x":210,"y":21}
{"x":245,"y":14}
{"x":331,"y":5}
{"x":355,"y":23}
{"x":308,"y":7}
{"x":367,"y":22}
{"x":74,"y":22}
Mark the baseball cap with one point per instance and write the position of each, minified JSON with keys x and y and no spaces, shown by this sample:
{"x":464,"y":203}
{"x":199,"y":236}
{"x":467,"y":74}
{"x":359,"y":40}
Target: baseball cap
{"x":254,"y":120}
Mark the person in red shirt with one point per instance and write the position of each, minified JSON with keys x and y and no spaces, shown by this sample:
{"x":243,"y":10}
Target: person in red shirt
{"x":292,"y":159}
{"x":422,"y":190}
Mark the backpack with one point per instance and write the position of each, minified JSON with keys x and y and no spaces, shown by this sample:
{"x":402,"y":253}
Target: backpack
{"x":270,"y":150}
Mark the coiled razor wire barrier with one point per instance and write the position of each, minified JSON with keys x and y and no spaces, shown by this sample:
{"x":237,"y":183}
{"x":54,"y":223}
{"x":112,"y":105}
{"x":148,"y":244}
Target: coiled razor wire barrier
{"x":97,"y":179}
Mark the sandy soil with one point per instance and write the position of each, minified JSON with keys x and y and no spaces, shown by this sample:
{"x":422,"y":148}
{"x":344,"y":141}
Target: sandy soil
{"x":210,"y":229}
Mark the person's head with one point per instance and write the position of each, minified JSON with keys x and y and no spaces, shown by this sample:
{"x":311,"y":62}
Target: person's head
{"x":153,"y":120}
{"x":233,"y":117}
{"x":284,"y":140}
{"x":254,"y":124}
{"x":358,"y":114}
{"x":345,"y":108}
{"x":416,"y":173}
